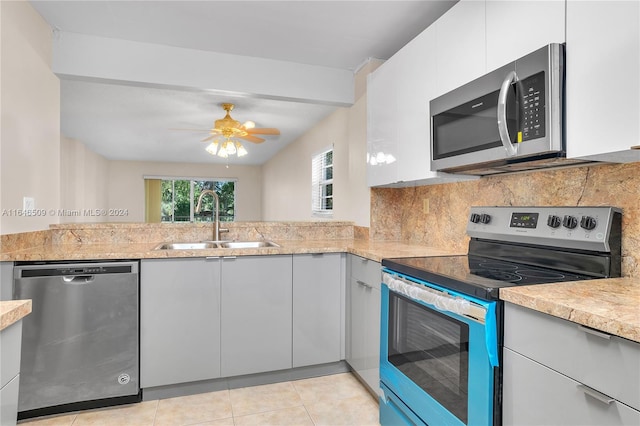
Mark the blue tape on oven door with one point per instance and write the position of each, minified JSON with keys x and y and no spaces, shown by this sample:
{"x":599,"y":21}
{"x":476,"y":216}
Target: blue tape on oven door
{"x":491,"y":334}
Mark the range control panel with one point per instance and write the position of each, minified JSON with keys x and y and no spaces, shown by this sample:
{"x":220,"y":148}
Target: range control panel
{"x":587,"y":228}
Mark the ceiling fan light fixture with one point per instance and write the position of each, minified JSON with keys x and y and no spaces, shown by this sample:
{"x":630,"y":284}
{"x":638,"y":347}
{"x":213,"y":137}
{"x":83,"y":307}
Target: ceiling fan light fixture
{"x":229,"y":147}
{"x":240,"y":150}
{"x":212,"y":148}
{"x":249,"y":124}
{"x":222,"y":153}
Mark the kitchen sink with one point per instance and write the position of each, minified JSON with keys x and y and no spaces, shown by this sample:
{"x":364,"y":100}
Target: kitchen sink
{"x":187,"y":246}
{"x":216,"y":244}
{"x":247,"y":244}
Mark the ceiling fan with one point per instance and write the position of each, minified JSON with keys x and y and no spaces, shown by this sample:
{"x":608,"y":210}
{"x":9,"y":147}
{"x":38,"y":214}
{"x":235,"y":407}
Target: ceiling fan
{"x":230,"y":128}
{"x":226,"y":132}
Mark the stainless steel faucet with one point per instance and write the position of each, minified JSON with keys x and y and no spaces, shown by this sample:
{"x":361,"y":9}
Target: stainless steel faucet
{"x":216,"y":218}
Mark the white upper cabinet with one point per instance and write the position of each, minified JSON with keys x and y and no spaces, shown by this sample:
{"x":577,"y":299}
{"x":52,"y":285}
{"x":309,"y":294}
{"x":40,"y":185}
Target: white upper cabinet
{"x":603,"y":80}
{"x":382,"y":138}
{"x":398,"y":129}
{"x":517,"y":28}
{"x":460,"y":46}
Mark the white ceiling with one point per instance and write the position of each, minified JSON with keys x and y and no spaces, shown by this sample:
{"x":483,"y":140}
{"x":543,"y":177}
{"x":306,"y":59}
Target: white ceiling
{"x":124,"y":121}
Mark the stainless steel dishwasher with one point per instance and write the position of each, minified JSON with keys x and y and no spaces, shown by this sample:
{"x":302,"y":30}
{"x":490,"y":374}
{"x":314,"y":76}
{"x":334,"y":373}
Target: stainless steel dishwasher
{"x":80,"y":344}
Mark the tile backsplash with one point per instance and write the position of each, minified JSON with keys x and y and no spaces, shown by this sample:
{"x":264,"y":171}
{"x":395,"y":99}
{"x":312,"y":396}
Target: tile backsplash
{"x":398,"y":214}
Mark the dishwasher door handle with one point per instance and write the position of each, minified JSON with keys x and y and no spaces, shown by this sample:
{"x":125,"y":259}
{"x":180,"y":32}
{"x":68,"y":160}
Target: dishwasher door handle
{"x":78,"y":279}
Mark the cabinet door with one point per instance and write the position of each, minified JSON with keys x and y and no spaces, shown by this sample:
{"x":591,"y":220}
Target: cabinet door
{"x":364,"y":319}
{"x":382,"y":138}
{"x":415,"y":90}
{"x":603,"y":80}
{"x":318,"y":290}
{"x":460,"y":45}
{"x":256,"y":314}
{"x":536,"y":395}
{"x":6,"y":280}
{"x":179,"y":321}
{"x":517,"y":28}
{"x":357,"y":312}
{"x":371,"y":374}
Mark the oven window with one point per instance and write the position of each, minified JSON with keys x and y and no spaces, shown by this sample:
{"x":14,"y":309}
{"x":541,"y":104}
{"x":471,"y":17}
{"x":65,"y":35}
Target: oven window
{"x":431,"y":349}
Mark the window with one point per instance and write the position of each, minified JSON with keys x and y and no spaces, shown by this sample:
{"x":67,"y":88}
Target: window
{"x":322,"y":183}
{"x":175,"y":200}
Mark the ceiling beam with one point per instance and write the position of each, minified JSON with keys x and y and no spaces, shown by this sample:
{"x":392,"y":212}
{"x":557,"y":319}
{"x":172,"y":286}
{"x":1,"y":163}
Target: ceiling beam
{"x":127,"y":62}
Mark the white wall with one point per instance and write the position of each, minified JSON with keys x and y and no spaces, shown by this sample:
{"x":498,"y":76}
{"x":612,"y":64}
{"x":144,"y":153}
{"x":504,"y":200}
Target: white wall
{"x":84,"y":177}
{"x":126,"y":185}
{"x":286,"y":185}
{"x":30,"y":119}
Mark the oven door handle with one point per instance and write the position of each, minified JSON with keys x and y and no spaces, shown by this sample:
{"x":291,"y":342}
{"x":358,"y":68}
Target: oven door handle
{"x":503,"y":129}
{"x":439,"y":299}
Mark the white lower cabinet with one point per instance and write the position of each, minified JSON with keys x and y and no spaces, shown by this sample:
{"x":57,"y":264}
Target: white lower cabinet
{"x":558,"y":372}
{"x":363,"y":320}
{"x":10,"y":349}
{"x":318,"y":308}
{"x":256,"y":315}
{"x":179,"y":321}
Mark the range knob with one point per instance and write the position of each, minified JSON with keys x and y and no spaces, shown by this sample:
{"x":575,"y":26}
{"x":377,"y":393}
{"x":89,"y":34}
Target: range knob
{"x":485,"y":218}
{"x":588,"y":222}
{"x":475,"y":218}
{"x":553,"y":221}
{"x":569,"y":222}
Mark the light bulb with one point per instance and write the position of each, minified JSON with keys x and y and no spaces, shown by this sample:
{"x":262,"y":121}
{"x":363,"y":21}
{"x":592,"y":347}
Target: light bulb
{"x":249,"y":125}
{"x":230,"y":147}
{"x":222,"y":153}
{"x":212,"y":148}
{"x":241,"y":150}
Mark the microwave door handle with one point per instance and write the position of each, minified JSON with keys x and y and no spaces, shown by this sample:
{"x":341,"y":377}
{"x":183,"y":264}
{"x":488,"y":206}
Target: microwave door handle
{"x":502,"y":114}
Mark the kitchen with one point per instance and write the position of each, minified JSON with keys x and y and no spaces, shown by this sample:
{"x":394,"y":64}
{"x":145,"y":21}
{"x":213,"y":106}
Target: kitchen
{"x":427,"y":223}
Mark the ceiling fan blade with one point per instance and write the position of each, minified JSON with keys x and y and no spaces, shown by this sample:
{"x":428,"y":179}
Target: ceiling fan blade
{"x":264,"y":131}
{"x":250,"y":138}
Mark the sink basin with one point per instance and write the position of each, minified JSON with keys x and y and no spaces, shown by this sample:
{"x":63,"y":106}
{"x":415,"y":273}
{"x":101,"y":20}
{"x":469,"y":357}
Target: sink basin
{"x":216,"y":244}
{"x":187,"y":246}
{"x":247,"y":244}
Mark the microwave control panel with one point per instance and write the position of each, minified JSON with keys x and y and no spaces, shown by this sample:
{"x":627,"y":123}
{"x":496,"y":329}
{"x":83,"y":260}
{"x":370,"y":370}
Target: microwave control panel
{"x":532,"y":119}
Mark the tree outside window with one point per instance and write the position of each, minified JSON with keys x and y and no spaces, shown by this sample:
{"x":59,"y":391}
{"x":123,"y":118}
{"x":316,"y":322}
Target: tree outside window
{"x":180,"y":197}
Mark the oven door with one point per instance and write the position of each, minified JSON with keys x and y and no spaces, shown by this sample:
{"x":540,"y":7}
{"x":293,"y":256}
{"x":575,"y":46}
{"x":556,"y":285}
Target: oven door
{"x":438,"y":353}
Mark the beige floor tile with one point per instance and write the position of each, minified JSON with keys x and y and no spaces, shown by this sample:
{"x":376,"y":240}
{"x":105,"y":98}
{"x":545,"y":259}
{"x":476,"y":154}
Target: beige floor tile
{"x":360,"y":411}
{"x":57,"y":420}
{"x":140,"y":414}
{"x":329,"y":388}
{"x":193,"y":409}
{"x":296,"y":416}
{"x":220,"y":422}
{"x":258,"y":399}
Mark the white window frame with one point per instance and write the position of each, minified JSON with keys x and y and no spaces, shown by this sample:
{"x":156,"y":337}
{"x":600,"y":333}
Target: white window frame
{"x":319,"y":183}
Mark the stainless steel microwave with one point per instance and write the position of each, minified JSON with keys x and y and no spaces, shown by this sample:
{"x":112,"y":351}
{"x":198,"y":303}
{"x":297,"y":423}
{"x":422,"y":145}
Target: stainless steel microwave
{"x":508,"y":120}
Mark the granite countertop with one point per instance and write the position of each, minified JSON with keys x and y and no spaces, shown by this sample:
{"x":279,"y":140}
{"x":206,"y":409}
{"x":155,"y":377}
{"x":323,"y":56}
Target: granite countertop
{"x":12,"y":311}
{"x":374,"y":250}
{"x":611,"y":305}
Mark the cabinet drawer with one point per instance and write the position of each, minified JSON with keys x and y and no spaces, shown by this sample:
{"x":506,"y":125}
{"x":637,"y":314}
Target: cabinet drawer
{"x":536,"y":395}
{"x":365,"y":270}
{"x":609,"y":364}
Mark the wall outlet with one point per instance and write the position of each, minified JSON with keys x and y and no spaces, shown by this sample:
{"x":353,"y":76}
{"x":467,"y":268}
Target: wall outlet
{"x":28,"y":203}
{"x":425,"y":206}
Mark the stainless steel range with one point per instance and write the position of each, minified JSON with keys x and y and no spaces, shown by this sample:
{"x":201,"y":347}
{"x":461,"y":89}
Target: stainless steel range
{"x":441,"y":338}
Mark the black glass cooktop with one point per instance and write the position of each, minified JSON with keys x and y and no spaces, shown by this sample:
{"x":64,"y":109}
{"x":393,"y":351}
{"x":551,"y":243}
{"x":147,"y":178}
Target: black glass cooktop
{"x":475,"y":275}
